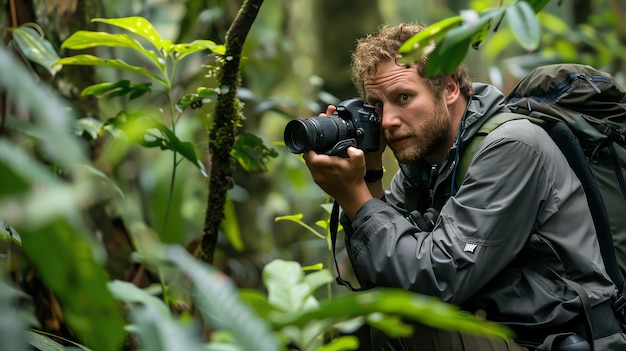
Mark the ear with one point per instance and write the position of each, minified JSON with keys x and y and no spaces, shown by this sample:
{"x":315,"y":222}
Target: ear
{"x":452,"y":91}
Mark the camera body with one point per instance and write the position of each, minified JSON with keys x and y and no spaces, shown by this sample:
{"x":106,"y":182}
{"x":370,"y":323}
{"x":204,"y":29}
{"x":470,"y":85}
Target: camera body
{"x":354,"y":123}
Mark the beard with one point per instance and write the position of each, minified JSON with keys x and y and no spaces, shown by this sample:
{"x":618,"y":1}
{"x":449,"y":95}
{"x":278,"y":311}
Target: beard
{"x":433,"y":134}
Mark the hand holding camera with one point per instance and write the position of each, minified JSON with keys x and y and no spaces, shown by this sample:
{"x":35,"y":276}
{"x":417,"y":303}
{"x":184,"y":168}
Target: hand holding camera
{"x":353,"y":123}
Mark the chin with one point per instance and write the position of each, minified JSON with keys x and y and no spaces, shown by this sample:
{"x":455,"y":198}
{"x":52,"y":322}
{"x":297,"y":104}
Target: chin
{"x":406,"y":156}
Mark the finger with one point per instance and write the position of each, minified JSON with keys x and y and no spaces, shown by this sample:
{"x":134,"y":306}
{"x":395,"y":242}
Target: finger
{"x":329,"y":110}
{"x":354,"y":152}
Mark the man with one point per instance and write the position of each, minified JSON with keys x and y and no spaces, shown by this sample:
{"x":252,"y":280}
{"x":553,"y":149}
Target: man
{"x":499,"y":243}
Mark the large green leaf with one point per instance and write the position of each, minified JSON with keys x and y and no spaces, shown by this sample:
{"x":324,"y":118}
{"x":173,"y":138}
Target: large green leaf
{"x":398,"y":302}
{"x":66,"y":264}
{"x":83,"y":39}
{"x":217,"y":299}
{"x":56,"y":242}
{"x":453,"y":47}
{"x":36,"y":48}
{"x":422,"y":43}
{"x":90,"y":60}
{"x":52,"y":119}
{"x":137,"y":25}
{"x":448,"y":60}
{"x":524,"y":23}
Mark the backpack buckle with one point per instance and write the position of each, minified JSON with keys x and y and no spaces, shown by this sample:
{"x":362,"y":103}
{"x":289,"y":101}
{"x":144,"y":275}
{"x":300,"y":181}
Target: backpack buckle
{"x":619,"y":307}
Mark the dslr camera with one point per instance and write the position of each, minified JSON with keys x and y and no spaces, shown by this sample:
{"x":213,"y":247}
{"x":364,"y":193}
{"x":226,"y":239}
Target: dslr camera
{"x":354,"y":123}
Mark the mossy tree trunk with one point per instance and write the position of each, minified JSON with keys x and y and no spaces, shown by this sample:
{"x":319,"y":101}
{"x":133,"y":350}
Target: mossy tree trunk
{"x":223,"y":132}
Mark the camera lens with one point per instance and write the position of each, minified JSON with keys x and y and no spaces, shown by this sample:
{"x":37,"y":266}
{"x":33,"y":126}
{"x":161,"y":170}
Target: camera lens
{"x":297,"y":136}
{"x":319,"y":134}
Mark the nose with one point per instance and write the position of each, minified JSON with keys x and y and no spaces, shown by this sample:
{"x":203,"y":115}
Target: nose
{"x":390,"y":117}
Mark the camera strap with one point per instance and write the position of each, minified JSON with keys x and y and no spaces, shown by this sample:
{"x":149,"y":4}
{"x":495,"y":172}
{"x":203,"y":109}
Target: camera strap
{"x":334,"y":225}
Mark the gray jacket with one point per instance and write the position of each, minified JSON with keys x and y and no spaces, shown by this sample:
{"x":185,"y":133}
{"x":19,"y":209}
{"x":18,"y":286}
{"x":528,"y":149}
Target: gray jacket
{"x":518,"y":219}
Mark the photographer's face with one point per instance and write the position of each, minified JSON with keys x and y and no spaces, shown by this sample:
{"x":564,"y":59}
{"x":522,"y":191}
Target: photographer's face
{"x":416,"y":124}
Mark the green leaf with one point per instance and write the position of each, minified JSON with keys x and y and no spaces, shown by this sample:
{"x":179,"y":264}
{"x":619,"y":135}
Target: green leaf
{"x":397,"y":302}
{"x":217,"y":299}
{"x":23,"y":204}
{"x":52,"y":119}
{"x":159,"y":330}
{"x":129,"y":293}
{"x":297,"y":218}
{"x":257,"y":301}
{"x":203,"y":95}
{"x":348,"y":342}
{"x":90,"y":60}
{"x":83,"y":39}
{"x":422,"y":43}
{"x":554,"y":23}
{"x":392,"y":325}
{"x":251,"y":153}
{"x":19,"y":171}
{"x":90,"y":126}
{"x":7,"y":233}
{"x":481,"y":34}
{"x":230,"y":225}
{"x":524,"y":23}
{"x":447,"y":61}
{"x":475,"y":29}
{"x":116,"y":89}
{"x":147,"y":132}
{"x":12,"y":326}
{"x":77,"y":281}
{"x":287,"y":288}
{"x":182,"y":50}
{"x":36,"y":48}
{"x":538,"y":5}
{"x":44,"y":343}
{"x":137,"y":25}
{"x":101,"y":180}
{"x":318,"y":279}
{"x":38,"y":340}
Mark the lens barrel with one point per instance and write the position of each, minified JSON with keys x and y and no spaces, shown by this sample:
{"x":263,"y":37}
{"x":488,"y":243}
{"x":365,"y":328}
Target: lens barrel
{"x":319,"y":134}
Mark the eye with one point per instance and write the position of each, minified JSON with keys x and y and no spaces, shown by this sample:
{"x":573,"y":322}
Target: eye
{"x":403,"y":97}
{"x":378,"y":105}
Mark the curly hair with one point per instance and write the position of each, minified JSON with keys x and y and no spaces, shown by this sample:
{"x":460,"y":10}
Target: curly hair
{"x":373,"y":50}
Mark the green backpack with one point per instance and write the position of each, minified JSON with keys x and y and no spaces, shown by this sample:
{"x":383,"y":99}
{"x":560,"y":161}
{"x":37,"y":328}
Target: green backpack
{"x":584,"y":112}
{"x":592,"y":105}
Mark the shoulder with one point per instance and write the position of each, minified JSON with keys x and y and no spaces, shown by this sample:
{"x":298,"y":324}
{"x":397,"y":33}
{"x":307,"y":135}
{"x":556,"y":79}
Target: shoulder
{"x":520,"y":130}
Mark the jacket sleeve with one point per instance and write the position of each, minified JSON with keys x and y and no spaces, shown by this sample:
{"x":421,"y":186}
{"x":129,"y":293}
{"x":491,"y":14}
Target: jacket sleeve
{"x":478,"y":232}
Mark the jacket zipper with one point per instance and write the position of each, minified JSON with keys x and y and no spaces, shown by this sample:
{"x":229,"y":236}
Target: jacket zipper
{"x":432,"y":180}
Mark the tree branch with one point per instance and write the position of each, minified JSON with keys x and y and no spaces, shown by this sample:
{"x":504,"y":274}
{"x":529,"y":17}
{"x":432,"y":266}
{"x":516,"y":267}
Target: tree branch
{"x":223,"y":131}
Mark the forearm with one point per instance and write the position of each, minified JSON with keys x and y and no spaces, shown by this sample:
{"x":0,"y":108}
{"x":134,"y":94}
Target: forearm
{"x":376,"y":189}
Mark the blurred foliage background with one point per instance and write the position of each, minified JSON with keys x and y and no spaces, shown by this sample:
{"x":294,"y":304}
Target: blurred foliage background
{"x":295,"y":62}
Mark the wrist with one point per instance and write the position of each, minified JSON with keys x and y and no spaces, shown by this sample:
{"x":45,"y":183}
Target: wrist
{"x":373,"y":175}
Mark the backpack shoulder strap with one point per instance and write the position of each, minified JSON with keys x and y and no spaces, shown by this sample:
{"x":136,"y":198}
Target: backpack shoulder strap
{"x":468,"y":150}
